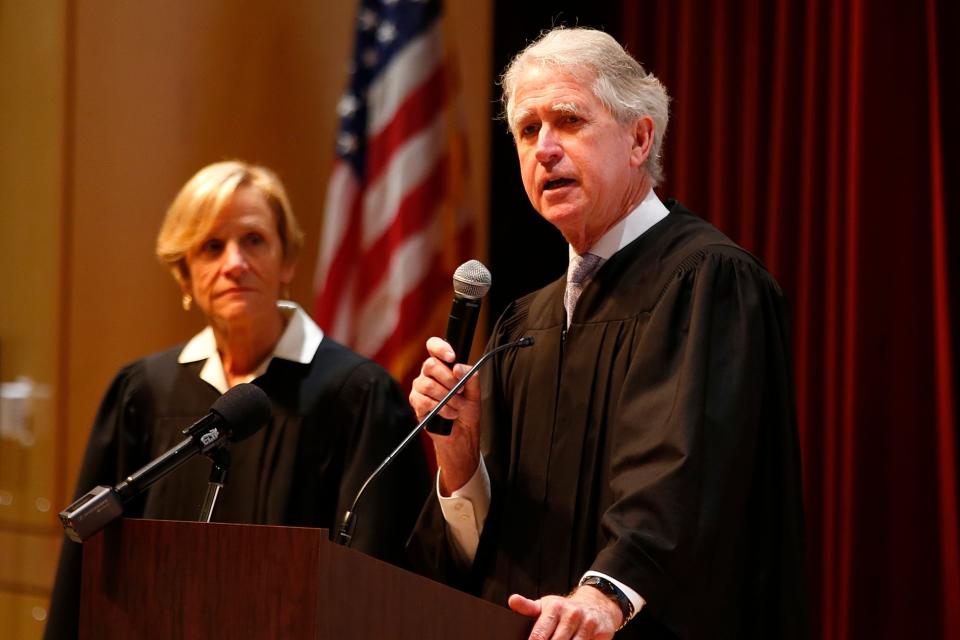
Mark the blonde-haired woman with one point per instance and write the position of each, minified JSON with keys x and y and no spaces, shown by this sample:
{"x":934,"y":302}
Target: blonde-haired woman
{"x":231,"y":241}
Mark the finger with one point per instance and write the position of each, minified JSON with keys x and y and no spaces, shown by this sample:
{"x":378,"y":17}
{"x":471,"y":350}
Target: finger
{"x":594,"y":632}
{"x":424,"y":403}
{"x":546,"y":625}
{"x":422,"y":408}
{"x":426,"y":391}
{"x":524,"y":606}
{"x":434,"y":389}
{"x":590,"y":630}
{"x":430,"y":388}
{"x":439,"y":370}
{"x":441,"y":349}
{"x":569,"y":619}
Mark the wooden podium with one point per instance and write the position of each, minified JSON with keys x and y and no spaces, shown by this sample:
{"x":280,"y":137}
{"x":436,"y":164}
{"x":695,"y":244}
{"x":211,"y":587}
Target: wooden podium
{"x":165,"y":579}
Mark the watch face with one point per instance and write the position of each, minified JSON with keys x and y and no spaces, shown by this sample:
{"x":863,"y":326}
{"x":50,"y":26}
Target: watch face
{"x":603,"y":585}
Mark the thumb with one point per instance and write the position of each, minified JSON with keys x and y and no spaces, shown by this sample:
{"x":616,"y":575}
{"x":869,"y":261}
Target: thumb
{"x":524,"y":606}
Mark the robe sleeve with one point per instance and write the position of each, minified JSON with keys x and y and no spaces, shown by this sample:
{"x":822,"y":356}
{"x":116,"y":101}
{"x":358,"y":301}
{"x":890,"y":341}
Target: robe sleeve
{"x":379,"y":419}
{"x":115,"y":446}
{"x":706,"y":413}
{"x":430,"y":548}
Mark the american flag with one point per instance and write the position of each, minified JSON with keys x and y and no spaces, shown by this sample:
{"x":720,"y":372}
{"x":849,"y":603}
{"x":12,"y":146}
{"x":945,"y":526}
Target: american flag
{"x":395,"y":224}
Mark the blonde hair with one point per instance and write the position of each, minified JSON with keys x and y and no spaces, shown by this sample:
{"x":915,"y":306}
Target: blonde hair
{"x":194,"y":210}
{"x":598,"y":61}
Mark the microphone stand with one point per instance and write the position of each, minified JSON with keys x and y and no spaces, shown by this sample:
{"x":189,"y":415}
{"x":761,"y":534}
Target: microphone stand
{"x":345,"y":534}
{"x":220,"y":459}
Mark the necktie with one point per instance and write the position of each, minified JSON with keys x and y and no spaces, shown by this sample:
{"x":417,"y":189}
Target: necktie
{"x":578,"y":272}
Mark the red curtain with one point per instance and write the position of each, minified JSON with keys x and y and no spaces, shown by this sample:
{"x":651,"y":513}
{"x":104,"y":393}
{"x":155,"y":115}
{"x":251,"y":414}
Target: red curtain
{"x":815,"y":134}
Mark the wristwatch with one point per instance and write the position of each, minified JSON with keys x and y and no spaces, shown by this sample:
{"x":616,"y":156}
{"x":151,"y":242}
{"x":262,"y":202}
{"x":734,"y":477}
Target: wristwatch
{"x":613,"y":592}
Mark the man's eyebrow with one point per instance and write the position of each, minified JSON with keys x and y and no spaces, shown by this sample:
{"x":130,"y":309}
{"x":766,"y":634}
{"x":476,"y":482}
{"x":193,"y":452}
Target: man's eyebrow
{"x":522,"y":114}
{"x":567,"y":107}
{"x":559,"y":107}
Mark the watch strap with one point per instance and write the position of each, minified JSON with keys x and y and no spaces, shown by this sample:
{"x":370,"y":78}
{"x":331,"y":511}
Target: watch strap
{"x":614,"y":593}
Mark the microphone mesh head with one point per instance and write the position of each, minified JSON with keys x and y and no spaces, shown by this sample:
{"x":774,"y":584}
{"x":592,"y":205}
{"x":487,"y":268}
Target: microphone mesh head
{"x":245,"y":408}
{"x":472,"y":280}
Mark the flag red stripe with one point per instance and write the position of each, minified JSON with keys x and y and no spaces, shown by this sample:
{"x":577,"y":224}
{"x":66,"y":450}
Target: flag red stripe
{"x":433,"y":284}
{"x":335,"y":280}
{"x":436,"y":285}
{"x":415,"y":212}
{"x":418,"y":111}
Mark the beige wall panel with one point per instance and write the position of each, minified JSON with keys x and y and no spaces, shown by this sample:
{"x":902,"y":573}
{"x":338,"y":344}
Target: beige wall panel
{"x":22,"y":616}
{"x":32,"y":47}
{"x":34,"y":564}
{"x":29,"y":498}
{"x":31,"y":118}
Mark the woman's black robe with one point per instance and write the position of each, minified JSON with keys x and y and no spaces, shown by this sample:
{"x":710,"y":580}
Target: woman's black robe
{"x":334,"y":420}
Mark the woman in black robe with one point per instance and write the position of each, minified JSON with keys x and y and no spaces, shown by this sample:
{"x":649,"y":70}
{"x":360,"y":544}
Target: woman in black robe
{"x":231,"y":241}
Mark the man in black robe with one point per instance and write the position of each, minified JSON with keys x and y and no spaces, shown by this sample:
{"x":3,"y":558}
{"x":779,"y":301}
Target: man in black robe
{"x":642,"y":456}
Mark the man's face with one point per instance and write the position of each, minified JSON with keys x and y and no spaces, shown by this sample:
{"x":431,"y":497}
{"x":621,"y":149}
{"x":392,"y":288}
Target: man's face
{"x":580,"y":167}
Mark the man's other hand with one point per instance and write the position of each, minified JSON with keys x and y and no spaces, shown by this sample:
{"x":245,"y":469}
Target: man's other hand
{"x":586,"y":614}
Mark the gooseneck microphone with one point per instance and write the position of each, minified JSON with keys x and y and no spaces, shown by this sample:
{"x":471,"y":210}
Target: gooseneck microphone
{"x":471,"y":281}
{"x":347,"y":526}
{"x":235,"y":415}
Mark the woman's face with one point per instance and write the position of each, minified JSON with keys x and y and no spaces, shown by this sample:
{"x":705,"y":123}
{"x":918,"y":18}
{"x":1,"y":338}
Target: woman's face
{"x":236,"y":272}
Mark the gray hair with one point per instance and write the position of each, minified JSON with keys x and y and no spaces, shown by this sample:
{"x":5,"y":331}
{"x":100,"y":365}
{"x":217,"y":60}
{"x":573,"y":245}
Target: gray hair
{"x":618,"y":81}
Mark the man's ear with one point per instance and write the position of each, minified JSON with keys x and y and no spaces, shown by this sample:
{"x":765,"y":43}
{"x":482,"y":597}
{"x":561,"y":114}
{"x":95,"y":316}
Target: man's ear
{"x":643,"y":134}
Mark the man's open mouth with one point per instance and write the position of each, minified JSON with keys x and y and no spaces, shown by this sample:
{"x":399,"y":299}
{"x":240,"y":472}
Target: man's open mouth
{"x":557,"y":183}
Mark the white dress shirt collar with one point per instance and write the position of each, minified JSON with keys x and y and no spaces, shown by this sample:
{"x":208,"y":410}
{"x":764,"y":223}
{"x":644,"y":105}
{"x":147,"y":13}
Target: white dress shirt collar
{"x":298,"y":343}
{"x":649,"y":212}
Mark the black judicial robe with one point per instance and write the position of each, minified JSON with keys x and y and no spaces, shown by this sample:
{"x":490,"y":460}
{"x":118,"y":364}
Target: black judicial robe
{"x":334,"y":420}
{"x":654,"y":441}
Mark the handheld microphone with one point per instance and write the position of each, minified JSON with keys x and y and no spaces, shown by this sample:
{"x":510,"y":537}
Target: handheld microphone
{"x":237,"y":414}
{"x":471,"y":281}
{"x":345,"y":534}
